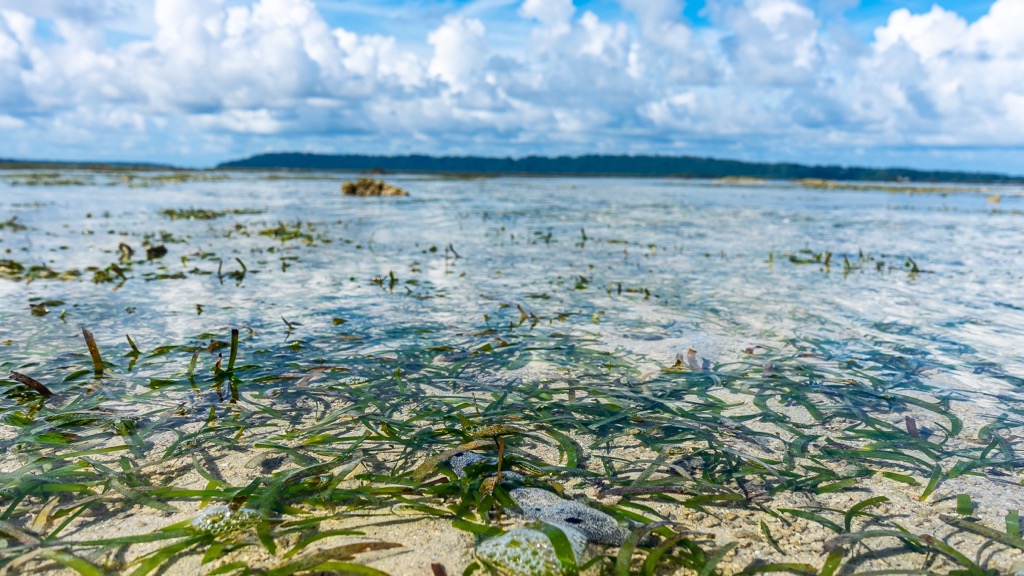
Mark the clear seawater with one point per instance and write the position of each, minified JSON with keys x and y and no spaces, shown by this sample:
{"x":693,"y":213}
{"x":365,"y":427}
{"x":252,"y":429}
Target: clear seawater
{"x":652,"y":266}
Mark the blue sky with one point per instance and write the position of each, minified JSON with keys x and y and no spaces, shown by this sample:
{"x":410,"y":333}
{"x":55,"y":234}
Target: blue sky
{"x":196,"y":82}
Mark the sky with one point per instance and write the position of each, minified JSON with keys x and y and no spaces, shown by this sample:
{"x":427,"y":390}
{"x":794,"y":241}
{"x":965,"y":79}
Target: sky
{"x":197,"y":82}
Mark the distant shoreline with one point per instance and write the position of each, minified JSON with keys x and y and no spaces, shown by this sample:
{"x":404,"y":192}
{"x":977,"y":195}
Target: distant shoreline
{"x":15,"y":164}
{"x":607,"y":166}
{"x":597,"y":166}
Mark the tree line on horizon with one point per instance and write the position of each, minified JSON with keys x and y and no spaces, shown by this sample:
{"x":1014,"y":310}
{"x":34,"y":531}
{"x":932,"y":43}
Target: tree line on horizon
{"x":605,"y":165}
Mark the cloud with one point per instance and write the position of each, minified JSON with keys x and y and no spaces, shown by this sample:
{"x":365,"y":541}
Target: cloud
{"x":128,"y":16}
{"x":379,"y":59}
{"x":459,"y":51}
{"x":667,"y":41}
{"x":942,"y":81}
{"x":772,"y":42}
{"x":201,"y":78}
{"x":555,"y":16}
{"x":10,"y":123}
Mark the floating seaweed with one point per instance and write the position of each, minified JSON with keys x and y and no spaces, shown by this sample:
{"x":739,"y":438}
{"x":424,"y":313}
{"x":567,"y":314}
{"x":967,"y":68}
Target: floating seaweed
{"x":205,"y":213}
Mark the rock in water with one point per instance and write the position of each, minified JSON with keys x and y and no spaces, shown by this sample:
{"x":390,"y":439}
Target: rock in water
{"x":463,"y":459}
{"x":529,"y":552}
{"x":371,"y":187}
{"x":598,"y":527}
{"x":154,"y":252}
{"x":460,"y":461}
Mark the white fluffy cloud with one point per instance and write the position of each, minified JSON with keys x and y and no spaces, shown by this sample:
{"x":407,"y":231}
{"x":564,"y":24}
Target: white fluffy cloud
{"x":941,"y":80}
{"x":202,"y":80}
{"x":772,"y":42}
{"x":459,"y":51}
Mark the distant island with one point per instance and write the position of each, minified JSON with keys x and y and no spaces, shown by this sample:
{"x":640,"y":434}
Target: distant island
{"x":605,"y":165}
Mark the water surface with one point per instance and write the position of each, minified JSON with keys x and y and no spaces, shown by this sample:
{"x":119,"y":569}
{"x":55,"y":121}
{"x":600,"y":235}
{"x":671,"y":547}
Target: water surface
{"x":797,"y":353}
{"x":651,"y":265}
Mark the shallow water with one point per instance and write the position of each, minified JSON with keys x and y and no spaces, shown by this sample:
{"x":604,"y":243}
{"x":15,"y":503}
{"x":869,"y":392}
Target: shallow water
{"x":654,"y":266}
{"x":844,"y":342}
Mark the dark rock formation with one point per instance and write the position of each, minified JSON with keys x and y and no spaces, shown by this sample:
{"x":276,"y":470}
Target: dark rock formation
{"x":371,"y":187}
